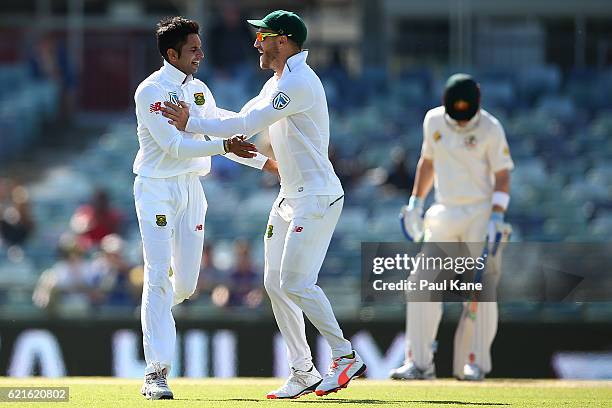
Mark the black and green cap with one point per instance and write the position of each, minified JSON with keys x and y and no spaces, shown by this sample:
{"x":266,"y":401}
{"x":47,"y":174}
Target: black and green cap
{"x":461,"y":97}
{"x":283,"y":22}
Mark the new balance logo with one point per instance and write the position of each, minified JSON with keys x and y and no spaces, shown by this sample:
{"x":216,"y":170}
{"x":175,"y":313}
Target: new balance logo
{"x":155,"y":108}
{"x":298,"y":229}
{"x":199,"y":227}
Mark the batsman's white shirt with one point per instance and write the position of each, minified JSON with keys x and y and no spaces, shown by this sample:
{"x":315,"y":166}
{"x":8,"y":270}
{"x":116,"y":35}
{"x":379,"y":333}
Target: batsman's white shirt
{"x":293,"y":108}
{"x":464,"y":159}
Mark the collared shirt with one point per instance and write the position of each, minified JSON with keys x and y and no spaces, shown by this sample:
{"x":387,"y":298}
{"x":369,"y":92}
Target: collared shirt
{"x":293,"y":109}
{"x":465,"y":159}
{"x":160,"y":153}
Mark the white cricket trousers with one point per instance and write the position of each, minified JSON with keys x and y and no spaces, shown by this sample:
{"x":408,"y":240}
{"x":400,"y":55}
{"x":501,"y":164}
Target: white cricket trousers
{"x":465,"y":223}
{"x":296,"y":241}
{"x":171,"y":215}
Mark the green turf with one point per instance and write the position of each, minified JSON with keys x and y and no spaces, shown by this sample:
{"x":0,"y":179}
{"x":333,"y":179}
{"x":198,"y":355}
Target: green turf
{"x":217,"y":393}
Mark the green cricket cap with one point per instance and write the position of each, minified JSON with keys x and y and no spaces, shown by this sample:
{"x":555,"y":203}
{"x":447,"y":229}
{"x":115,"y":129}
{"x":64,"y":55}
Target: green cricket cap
{"x":461,"y":97}
{"x":283,"y":22}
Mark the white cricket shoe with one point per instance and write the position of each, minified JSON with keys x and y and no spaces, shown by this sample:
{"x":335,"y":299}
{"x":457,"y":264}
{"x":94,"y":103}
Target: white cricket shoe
{"x":410,"y":371}
{"x":471,"y":372}
{"x":299,"y":383}
{"x":341,"y":372}
{"x":155,"y":385}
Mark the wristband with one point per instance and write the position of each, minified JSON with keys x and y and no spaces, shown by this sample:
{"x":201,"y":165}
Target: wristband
{"x":415,"y":202}
{"x":501,"y":199}
{"x":497,"y":216}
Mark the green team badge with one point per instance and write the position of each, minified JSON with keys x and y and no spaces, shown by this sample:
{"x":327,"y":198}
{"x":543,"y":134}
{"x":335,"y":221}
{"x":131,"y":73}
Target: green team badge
{"x":160,"y":220}
{"x":269,"y":232}
{"x":199,"y":98}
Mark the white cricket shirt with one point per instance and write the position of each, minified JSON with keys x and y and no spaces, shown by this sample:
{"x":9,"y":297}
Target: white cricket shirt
{"x":164,"y":150}
{"x":293,"y":109}
{"x":464,"y":159}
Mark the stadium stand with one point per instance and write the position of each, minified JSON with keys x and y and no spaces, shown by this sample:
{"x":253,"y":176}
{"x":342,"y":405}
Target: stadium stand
{"x":561,"y":185}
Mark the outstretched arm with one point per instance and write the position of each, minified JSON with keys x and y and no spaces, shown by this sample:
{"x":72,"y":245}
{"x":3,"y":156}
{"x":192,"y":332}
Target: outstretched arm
{"x":291,"y":98}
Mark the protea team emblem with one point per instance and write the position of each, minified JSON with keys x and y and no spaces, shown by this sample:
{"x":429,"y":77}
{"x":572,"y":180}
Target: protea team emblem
{"x":470,"y":141}
{"x":173,"y":98}
{"x":280,"y":101}
{"x":199,"y":98}
{"x":160,"y":220}
{"x":270,"y":230}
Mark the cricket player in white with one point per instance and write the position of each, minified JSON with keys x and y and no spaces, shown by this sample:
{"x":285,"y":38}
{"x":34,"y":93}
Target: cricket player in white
{"x":170,"y":202}
{"x":292,"y":107}
{"x":465,"y":156}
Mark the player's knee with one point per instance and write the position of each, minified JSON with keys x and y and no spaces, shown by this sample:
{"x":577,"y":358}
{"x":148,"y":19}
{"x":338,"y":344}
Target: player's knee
{"x":183,"y":292}
{"x":291,"y":289}
{"x":271,"y":284}
{"x":157,"y":274}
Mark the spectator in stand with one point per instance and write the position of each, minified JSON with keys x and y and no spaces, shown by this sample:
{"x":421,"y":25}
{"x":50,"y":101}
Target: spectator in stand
{"x":50,"y":60}
{"x":348,"y":169}
{"x":68,"y":282}
{"x":400,"y":178}
{"x":94,"y":221}
{"x":245,"y":283}
{"x":16,"y":222}
{"x":210,"y":276}
{"x":230,"y":42}
{"x":110,"y":274}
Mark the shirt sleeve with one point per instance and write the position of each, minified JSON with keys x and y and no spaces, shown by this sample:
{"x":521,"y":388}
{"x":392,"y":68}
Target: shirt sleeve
{"x":291,"y":97}
{"x":148,"y":103}
{"x":498,"y":152}
{"x":427,"y":148}
{"x":256,"y":162}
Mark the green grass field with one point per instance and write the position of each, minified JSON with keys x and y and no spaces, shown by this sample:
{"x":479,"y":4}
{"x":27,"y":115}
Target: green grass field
{"x":119,"y":393}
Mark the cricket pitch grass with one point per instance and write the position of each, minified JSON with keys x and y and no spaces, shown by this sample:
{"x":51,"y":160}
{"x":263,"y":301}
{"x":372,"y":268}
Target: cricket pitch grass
{"x":251,"y":392}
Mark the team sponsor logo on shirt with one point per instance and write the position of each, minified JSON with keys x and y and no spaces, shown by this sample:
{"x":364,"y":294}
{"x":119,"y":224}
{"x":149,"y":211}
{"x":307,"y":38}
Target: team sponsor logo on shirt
{"x":437,"y":136}
{"x":160,"y":220}
{"x":155,"y":108}
{"x":280,"y":101}
{"x":470,"y":141}
{"x":270,"y":230}
{"x":199,"y":227}
{"x":173,"y":98}
{"x":199,"y":98}
{"x":298,"y":229}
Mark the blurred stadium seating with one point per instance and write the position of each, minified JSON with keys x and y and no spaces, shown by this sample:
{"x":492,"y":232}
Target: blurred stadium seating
{"x":561,"y":185}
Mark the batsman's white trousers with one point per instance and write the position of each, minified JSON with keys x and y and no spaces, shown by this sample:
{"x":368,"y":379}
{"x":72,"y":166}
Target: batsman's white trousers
{"x":296,"y":241}
{"x":465,"y":223}
{"x":171,"y":215}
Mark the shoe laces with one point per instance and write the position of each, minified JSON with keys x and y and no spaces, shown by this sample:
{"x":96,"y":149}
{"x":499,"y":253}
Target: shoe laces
{"x":159,"y":376}
{"x":333,"y":367}
{"x":297,"y":376}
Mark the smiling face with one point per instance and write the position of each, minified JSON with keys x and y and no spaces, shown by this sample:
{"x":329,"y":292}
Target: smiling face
{"x":190,"y":57}
{"x":269,"y":50}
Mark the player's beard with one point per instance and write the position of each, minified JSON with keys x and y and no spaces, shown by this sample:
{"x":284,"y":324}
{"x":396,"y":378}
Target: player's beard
{"x":269,"y":56}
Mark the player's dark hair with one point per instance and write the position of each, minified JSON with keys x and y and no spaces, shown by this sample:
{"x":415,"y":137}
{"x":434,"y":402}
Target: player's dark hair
{"x":172,"y":32}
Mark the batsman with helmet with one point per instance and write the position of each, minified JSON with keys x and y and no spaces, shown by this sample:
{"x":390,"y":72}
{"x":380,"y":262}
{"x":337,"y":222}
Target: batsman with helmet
{"x":465,"y":156}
